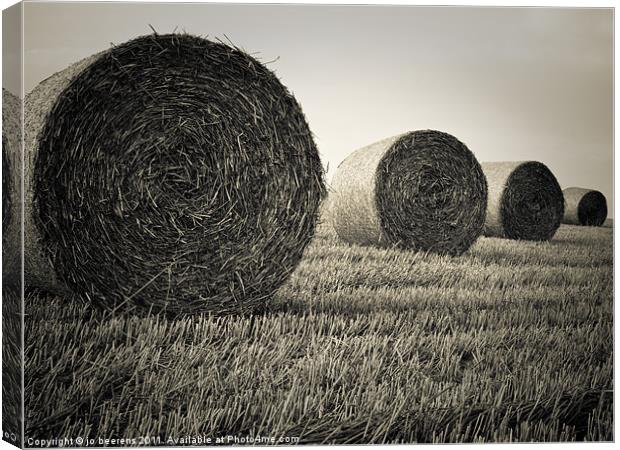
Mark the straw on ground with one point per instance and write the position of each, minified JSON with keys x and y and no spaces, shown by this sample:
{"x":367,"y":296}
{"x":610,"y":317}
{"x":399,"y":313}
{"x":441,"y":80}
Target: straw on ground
{"x":512,"y":341}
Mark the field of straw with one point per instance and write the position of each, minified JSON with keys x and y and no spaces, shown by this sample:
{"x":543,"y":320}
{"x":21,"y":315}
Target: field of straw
{"x":511,"y":341}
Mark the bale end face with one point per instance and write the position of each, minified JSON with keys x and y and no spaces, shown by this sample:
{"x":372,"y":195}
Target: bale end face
{"x":593,"y":209}
{"x":431,"y":193}
{"x":174,"y":173}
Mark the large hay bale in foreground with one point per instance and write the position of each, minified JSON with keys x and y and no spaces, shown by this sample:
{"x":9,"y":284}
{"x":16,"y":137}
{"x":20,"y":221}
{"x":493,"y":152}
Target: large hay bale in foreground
{"x":584,"y":207}
{"x":525,"y":201}
{"x":11,"y":156}
{"x":422,"y":190}
{"x":171,"y":173}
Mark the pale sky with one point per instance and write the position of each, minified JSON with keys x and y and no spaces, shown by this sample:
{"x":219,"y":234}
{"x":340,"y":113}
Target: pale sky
{"x":511,"y":83}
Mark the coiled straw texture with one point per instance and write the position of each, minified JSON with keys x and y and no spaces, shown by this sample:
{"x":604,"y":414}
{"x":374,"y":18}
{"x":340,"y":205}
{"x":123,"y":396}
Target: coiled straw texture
{"x":584,"y":207}
{"x":169,"y":173}
{"x":422,"y":190}
{"x":525,"y":201}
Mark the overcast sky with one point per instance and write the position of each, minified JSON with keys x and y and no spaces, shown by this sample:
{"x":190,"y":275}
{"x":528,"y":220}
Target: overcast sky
{"x":512,"y":83}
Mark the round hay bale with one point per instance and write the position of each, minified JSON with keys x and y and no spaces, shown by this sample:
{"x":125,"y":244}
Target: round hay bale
{"x":170,"y":173}
{"x":11,"y":144}
{"x":525,"y":201}
{"x":422,"y":190}
{"x":584,"y":207}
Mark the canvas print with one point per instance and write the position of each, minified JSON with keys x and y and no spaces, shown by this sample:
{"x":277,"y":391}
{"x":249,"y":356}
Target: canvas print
{"x":233,"y":224}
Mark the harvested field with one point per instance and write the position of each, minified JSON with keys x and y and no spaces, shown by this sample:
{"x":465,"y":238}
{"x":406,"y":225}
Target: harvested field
{"x":510,"y":342}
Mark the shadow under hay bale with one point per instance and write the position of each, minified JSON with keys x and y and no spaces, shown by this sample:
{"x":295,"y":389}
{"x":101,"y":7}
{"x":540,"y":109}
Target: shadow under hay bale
{"x":525,"y":201}
{"x":422,"y":190}
{"x":584,"y":207}
{"x":170,"y":173}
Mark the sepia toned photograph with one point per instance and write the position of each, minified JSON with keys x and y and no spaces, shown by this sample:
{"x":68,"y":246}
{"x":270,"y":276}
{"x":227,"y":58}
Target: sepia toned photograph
{"x":296,"y":224}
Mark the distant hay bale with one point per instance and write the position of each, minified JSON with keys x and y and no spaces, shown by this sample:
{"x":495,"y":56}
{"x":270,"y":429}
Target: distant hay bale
{"x":423,"y":190}
{"x":584,"y":207}
{"x":170,"y":173}
{"x":525,"y":201}
{"x":11,"y":155}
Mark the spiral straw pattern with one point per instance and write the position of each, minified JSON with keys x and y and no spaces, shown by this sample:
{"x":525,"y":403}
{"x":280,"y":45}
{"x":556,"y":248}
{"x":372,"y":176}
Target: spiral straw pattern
{"x":169,"y":173}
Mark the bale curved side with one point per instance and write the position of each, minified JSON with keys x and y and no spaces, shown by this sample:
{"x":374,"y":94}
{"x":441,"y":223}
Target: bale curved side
{"x":525,"y":201}
{"x":352,"y":203}
{"x":422,"y":190}
{"x":11,"y":186}
{"x":170,"y":173}
{"x":584,"y":207}
{"x":38,"y":267}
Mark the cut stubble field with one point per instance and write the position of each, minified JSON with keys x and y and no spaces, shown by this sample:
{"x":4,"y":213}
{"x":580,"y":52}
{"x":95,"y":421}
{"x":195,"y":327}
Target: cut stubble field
{"x":512,"y":341}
